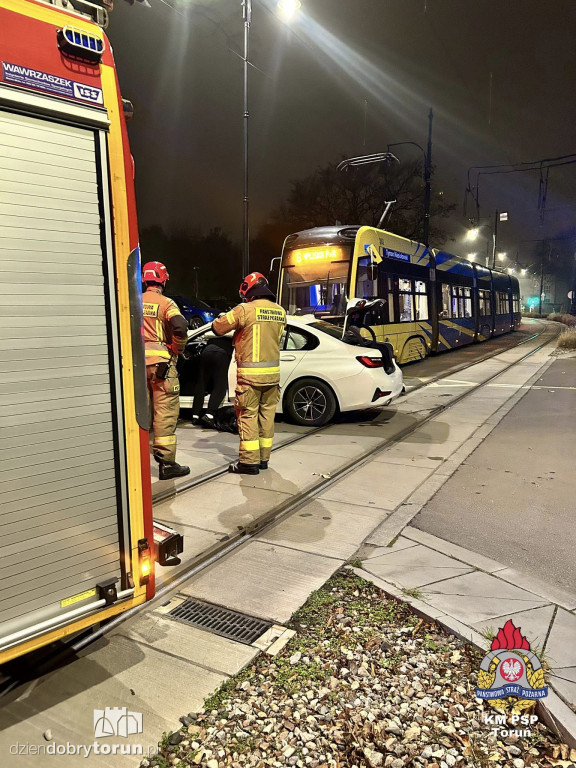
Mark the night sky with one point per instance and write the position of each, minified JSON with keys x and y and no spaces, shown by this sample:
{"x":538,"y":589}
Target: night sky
{"x":182,"y":70}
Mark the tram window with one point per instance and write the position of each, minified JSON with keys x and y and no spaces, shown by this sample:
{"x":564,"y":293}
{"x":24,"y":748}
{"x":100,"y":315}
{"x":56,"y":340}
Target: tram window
{"x":446,"y":302}
{"x":406,"y":300}
{"x":502,"y":303}
{"x":461,"y":301}
{"x":455,"y":312}
{"x":516,"y":303}
{"x":484,"y":302}
{"x":421,"y":300}
{"x":365,"y":287}
{"x":467,"y":301}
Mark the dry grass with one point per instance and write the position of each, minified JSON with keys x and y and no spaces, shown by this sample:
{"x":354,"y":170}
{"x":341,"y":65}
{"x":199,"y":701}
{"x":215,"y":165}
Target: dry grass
{"x":567,"y":339}
{"x":569,"y":320}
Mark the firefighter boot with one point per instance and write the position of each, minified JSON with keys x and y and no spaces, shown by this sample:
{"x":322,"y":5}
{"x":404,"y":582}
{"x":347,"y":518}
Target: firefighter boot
{"x":239,"y":468}
{"x":170,"y":469}
{"x":263,"y":465}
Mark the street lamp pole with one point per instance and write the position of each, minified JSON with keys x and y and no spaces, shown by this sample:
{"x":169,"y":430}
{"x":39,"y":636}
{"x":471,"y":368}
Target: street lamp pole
{"x":247,"y":15}
{"x":427,"y":181}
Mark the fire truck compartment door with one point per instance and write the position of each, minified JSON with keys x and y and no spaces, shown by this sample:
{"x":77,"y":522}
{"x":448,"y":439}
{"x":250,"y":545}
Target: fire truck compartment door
{"x":62,"y":509}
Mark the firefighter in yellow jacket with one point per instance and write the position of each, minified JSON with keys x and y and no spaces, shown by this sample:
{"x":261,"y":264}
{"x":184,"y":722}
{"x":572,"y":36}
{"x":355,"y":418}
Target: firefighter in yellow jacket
{"x":165,"y":335}
{"x":258,"y":326}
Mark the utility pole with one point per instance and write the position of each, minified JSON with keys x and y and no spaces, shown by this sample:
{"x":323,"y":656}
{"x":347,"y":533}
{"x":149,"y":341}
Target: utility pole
{"x":542,"y":276}
{"x":541,"y":284}
{"x":494,"y":237}
{"x":427,"y":181}
{"x":572,"y":310}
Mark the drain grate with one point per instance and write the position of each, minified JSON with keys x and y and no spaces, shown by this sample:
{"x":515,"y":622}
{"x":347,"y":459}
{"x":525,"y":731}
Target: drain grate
{"x":220,"y":621}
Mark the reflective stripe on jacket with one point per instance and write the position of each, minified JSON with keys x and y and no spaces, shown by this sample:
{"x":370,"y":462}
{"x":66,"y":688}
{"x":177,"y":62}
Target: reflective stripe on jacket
{"x":159,"y":341}
{"x":258,"y":327}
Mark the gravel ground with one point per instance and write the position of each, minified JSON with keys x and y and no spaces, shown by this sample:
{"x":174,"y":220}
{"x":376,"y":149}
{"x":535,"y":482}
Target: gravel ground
{"x":363,"y":684}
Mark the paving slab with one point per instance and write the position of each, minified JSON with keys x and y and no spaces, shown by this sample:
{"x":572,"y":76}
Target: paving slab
{"x":117,"y":673}
{"x":413,"y":452}
{"x":454,"y":430}
{"x":533,"y":584}
{"x":564,"y":682}
{"x":479,"y":562}
{"x":385,"y":425}
{"x":291,"y":473}
{"x":561,"y":644}
{"x":180,"y":640}
{"x":388,"y":530}
{"x":401,"y":543}
{"x":325,"y":527}
{"x":377,"y":484}
{"x":477,"y":596}
{"x":218,"y":506}
{"x":263,"y":580}
{"x":333,"y":445}
{"x":415,"y":566}
{"x":534,"y":624}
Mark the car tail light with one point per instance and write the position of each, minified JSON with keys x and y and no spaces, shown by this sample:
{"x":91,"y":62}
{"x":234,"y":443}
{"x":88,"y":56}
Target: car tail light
{"x":370,"y":362}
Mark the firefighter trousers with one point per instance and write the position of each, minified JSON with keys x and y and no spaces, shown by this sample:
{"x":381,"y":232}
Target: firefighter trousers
{"x":255,"y":410}
{"x":164,"y":405}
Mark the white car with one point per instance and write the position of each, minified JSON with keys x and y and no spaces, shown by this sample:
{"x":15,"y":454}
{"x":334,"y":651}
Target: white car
{"x":320,"y":373}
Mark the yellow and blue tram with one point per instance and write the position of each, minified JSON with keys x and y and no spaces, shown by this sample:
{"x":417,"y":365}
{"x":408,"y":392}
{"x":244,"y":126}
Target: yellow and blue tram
{"x":434,"y":300}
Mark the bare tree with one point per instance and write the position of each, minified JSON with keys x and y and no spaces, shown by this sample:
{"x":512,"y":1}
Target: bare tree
{"x":357,"y":196}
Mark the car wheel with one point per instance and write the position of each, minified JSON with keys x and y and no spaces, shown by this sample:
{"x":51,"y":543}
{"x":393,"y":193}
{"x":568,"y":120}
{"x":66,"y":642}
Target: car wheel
{"x":310,"y":402}
{"x":195,"y":322}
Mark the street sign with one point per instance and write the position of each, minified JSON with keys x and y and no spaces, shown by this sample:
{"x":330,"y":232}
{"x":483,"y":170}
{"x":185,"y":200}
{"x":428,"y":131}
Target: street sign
{"x":503,"y":216}
{"x":570,"y":295}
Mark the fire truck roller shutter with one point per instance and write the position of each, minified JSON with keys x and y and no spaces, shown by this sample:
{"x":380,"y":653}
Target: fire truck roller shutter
{"x":62,"y":507}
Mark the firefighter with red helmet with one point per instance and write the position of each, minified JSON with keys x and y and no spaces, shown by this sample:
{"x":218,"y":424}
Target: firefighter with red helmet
{"x":258,"y":326}
{"x":165,"y":335}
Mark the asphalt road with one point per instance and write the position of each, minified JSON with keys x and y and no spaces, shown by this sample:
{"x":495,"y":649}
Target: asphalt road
{"x":513,"y":498}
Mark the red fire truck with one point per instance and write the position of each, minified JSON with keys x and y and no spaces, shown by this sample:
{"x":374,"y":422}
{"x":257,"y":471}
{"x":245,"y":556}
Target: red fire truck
{"x":76,"y":523}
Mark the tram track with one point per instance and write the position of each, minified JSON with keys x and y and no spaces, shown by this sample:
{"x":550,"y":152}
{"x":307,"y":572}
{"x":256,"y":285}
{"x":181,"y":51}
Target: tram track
{"x":205,"y":477}
{"x":233,"y":541}
{"x":277,"y":513}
